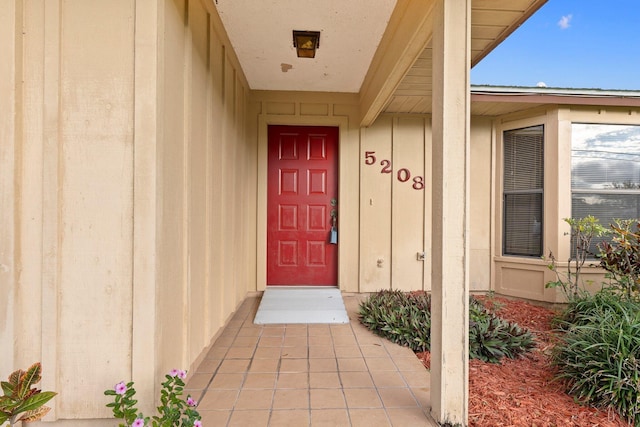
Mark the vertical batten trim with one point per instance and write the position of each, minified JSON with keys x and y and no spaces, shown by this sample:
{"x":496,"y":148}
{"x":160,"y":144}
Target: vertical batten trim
{"x":146,"y":134}
{"x":51,"y":196}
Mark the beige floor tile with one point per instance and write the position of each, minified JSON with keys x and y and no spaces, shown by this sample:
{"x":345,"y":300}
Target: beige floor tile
{"x":208,"y":366}
{"x":321,"y":351}
{"x":267,"y":353}
{"x":343,"y":351}
{"x":417,"y":378}
{"x":264,"y":365}
{"x":198,"y":382}
{"x":387,"y":379}
{"x":214,"y":418}
{"x":218,"y":399}
{"x":409,"y":417}
{"x":342,"y":329}
{"x":366,"y":337}
{"x":249,"y":332}
{"x":324,"y":380}
{"x":362,"y":398}
{"x":295,"y":331}
{"x":397,"y":398}
{"x":320,"y":340}
{"x":422,"y":395}
{"x":295,"y":352}
{"x":369,"y":418}
{"x":240,"y":353}
{"x":344,"y":340}
{"x":315,"y":330}
{"x":411,"y":363}
{"x":356,"y":379}
{"x":289,"y":418}
{"x":246,"y":341}
{"x":329,"y":417}
{"x":269,"y":341}
{"x":260,"y":380}
{"x":273,"y":331}
{"x":235,"y":323}
{"x":299,"y":380}
{"x":231,"y":366}
{"x":380,"y":364}
{"x":294,"y":365}
{"x":227,"y":381}
{"x":254,"y":399}
{"x":351,"y":364}
{"x":327,"y":398}
{"x":374,"y":350}
{"x":291,"y":399}
{"x":217,"y":352}
{"x":332,"y":369}
{"x":294,"y":341}
{"x":323,"y":365}
{"x":230,"y":332}
{"x":396,"y":349}
{"x":249,"y":418}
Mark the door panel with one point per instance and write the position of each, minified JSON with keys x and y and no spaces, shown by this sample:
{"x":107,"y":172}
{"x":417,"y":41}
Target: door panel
{"x":302,"y":183}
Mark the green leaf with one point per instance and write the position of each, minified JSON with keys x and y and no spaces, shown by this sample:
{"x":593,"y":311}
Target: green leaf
{"x":7,"y":388}
{"x":36,"y":401}
{"x":29,"y":378}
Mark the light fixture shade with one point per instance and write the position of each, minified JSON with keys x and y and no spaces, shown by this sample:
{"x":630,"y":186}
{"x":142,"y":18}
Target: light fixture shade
{"x":306,"y":43}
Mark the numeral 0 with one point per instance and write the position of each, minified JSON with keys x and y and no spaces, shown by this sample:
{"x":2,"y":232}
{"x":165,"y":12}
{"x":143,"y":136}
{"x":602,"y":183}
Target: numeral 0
{"x":403,"y":175}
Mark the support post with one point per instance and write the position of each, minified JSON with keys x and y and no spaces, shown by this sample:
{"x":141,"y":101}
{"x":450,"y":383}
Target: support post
{"x":450,"y":197}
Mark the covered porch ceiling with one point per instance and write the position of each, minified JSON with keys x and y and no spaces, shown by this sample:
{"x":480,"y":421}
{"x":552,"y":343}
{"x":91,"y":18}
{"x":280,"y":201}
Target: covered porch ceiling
{"x":379,"y":49}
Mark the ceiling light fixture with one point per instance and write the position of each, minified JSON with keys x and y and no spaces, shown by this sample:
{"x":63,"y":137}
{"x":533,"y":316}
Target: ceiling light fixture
{"x":306,"y":43}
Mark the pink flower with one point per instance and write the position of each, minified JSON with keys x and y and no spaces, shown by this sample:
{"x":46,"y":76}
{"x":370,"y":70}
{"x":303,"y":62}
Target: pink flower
{"x":197,"y":423}
{"x":178,"y":373}
{"x":139,"y":422}
{"x":121,"y":388}
{"x":191,"y":402}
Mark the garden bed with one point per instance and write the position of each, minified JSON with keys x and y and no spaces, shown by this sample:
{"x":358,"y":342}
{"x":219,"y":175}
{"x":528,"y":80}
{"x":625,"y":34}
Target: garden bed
{"x":521,"y":392}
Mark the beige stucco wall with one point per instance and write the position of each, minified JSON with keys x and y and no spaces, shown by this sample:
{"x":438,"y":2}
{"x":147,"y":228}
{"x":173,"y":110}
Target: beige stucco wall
{"x":526,"y":277}
{"x":128,"y":193}
{"x":384,"y":221}
{"x":206,"y":186}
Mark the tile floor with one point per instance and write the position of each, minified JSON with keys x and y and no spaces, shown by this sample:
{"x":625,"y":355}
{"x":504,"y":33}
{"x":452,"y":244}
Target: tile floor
{"x":309,"y":375}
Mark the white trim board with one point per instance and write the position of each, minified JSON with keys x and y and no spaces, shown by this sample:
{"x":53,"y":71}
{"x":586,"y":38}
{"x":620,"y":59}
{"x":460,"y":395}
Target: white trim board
{"x":301,"y":304}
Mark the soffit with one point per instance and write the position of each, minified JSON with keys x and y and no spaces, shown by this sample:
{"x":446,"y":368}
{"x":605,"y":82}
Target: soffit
{"x":491,"y":22}
{"x":260,"y":33}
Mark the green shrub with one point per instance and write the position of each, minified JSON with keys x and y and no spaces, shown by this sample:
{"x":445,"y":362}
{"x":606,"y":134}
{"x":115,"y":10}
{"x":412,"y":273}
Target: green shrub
{"x":491,"y":338}
{"x":402,"y":318}
{"x":598,"y":357}
{"x":405,"y":319}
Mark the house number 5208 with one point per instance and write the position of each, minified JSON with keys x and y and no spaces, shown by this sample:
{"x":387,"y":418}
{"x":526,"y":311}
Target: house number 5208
{"x":403,"y":175}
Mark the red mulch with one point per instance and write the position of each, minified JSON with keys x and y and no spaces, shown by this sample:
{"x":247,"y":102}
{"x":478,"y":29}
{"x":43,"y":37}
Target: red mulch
{"x":520,"y":392}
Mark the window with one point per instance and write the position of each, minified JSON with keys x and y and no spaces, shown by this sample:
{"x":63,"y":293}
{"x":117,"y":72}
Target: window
{"x":605,"y":172}
{"x":523,"y":191}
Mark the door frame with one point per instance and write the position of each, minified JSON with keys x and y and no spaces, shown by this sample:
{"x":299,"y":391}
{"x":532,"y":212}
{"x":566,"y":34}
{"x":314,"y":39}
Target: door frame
{"x":261,"y":238}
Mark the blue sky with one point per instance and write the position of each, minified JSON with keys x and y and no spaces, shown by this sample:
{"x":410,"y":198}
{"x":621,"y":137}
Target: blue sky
{"x":570,"y":44}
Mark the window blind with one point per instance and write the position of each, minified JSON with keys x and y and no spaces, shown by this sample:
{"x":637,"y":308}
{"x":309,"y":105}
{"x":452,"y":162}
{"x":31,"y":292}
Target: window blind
{"x":523,"y":191}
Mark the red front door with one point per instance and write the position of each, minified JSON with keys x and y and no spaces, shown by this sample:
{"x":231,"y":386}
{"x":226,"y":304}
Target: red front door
{"x":302,"y":199}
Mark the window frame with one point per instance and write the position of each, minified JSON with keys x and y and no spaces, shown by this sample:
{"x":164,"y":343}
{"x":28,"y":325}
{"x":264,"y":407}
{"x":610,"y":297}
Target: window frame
{"x":529,"y":191}
{"x":598,"y":191}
